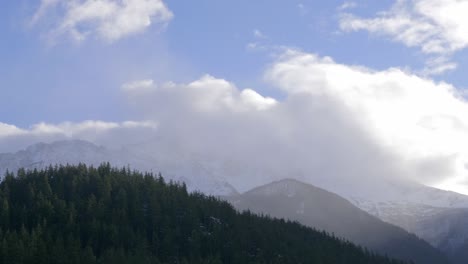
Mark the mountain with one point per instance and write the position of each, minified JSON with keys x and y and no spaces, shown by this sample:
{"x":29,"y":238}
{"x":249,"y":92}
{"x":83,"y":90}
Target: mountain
{"x":408,"y":205}
{"x":405,"y":192}
{"x":444,"y":228}
{"x":437,"y":216}
{"x":324,"y":210}
{"x":103,"y":215}
{"x":188,"y":170}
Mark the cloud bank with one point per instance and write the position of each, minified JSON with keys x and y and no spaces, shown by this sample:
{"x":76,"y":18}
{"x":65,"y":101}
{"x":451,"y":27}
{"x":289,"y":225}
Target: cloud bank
{"x":338,"y":121}
{"x":109,"y":20}
{"x":437,"y":27}
{"x":338,"y":124}
{"x":421,"y":122}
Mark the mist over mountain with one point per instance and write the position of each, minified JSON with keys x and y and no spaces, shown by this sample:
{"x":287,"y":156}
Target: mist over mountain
{"x":176,"y":168}
{"x":432,"y":214}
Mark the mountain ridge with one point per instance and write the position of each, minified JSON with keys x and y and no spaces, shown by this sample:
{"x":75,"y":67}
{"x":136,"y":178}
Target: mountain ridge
{"x":318,"y":208}
{"x":41,"y":155}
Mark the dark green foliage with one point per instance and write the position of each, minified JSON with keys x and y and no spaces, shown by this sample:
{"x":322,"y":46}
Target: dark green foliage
{"x":76,"y":214}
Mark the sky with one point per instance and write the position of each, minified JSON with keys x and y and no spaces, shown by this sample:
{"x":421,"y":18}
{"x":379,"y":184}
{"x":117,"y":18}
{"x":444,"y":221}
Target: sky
{"x":359,"y":89}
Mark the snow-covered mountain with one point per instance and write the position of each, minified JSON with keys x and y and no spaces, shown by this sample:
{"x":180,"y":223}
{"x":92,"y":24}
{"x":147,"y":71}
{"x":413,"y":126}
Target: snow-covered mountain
{"x":41,"y":155}
{"x":188,"y":170}
{"x":323,"y":210}
{"x":444,"y":228}
{"x":437,"y":216}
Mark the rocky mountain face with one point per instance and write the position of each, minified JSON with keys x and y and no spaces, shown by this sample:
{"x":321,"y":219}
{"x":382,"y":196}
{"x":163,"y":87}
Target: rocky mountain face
{"x":323,"y":210}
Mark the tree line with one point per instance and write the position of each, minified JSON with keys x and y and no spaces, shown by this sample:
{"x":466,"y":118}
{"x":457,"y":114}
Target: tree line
{"x":80,"y":214}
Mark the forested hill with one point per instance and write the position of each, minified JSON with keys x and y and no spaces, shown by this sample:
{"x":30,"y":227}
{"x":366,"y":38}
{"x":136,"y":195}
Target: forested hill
{"x":76,"y":214}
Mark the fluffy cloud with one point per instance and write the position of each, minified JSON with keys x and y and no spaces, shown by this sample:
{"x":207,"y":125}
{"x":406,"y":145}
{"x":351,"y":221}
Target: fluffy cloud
{"x":437,"y":27}
{"x":339,"y":121}
{"x":256,"y":139}
{"x":208,"y":94}
{"x":8,"y":130}
{"x":421,"y":121}
{"x":110,"y":20}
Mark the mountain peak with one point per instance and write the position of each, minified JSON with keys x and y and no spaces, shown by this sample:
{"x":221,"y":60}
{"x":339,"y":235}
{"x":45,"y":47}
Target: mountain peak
{"x":312,"y":206}
{"x":288,"y":187}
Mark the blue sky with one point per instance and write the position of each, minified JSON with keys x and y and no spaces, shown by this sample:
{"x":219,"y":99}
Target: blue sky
{"x":80,"y":81}
{"x":393,"y":71}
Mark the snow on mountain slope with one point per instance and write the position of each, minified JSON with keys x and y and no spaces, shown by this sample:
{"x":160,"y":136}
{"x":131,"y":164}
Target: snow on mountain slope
{"x":188,"y":170}
{"x":41,"y":155}
{"x":444,"y":228}
{"x":323,"y":210}
{"x":394,"y":190}
{"x":437,"y":216}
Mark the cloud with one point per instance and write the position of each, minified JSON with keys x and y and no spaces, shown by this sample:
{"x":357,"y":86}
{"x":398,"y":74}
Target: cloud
{"x":207,"y":94}
{"x":437,"y":27}
{"x":253,"y":139}
{"x":109,"y":20}
{"x":13,"y":138}
{"x":338,"y":125}
{"x":363,"y":124}
{"x":42,"y":10}
{"x":348,"y":5}
{"x":421,"y":121}
{"x":141,"y":85}
{"x":259,"y":42}
{"x":8,"y":130}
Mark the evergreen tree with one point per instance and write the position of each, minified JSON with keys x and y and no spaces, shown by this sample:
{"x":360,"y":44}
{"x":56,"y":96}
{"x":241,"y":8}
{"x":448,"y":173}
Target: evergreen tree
{"x":80,"y":214}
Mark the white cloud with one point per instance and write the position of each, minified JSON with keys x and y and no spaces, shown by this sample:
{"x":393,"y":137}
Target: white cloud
{"x":142,"y":85}
{"x":337,"y":121}
{"x":436,"y":27}
{"x":208,"y":94}
{"x":338,"y":124}
{"x":249,"y":97}
{"x":109,"y":20}
{"x":12,"y":138}
{"x":348,"y":5}
{"x":423,"y":122}
{"x":259,"y":41}
{"x":69,"y":128}
{"x":438,"y":65}
{"x":8,"y":130}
